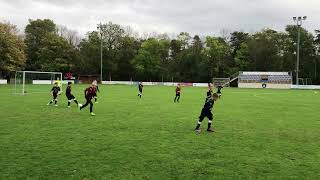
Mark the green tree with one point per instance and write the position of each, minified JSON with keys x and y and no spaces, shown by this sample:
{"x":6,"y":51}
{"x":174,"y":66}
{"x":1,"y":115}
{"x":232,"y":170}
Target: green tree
{"x":149,"y":61}
{"x":90,"y":54}
{"x":36,"y":32}
{"x":12,"y":54}
{"x":217,"y":52}
{"x":307,"y":50}
{"x":47,"y":51}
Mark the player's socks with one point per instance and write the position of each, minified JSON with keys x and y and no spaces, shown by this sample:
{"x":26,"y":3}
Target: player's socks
{"x":69,"y":103}
{"x":76,"y":101}
{"x":209,"y":126}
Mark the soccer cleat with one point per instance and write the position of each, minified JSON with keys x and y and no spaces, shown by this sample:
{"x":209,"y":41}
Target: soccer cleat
{"x":198,"y":131}
{"x":96,"y":102}
{"x":92,"y":114}
{"x":69,"y":107}
{"x":56,"y":105}
{"x":48,"y":104}
{"x":210,"y":130}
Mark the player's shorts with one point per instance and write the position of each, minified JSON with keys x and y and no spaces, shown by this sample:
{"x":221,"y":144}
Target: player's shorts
{"x":55,"y":95}
{"x":206,"y":113}
{"x":89,"y":98}
{"x":177,"y":94}
{"x":70,"y":97}
{"x":140,"y":90}
{"x":95,"y":95}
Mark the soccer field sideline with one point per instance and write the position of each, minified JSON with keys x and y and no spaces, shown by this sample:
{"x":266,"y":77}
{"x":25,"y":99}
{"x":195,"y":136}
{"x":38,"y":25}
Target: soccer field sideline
{"x":274,"y":135}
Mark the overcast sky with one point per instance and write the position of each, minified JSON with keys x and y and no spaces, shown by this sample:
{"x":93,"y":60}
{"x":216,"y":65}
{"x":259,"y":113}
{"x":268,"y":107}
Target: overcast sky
{"x":203,"y":17}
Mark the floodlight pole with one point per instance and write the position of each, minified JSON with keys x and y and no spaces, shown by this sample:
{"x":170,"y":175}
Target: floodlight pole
{"x":298,"y":21}
{"x":100,"y":31}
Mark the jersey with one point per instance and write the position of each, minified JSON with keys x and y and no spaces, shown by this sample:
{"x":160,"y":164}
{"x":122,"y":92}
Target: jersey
{"x":59,"y":83}
{"x":68,"y":91}
{"x":178,"y":90}
{"x":140,"y":87}
{"x":208,"y":105}
{"x":89,"y":92}
{"x":55,"y":89}
{"x":209,"y":93}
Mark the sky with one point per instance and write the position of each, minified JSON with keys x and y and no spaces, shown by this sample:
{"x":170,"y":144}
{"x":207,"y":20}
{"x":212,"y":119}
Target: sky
{"x":202,"y":17}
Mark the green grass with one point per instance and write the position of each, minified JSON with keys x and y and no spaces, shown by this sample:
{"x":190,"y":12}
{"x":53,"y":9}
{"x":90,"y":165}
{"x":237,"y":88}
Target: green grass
{"x":260,"y":134}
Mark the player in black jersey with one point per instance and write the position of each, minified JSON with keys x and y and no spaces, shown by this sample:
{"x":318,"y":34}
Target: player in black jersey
{"x":206,"y":112}
{"x":70,"y":96}
{"x":140,"y":87}
{"x":55,"y":91}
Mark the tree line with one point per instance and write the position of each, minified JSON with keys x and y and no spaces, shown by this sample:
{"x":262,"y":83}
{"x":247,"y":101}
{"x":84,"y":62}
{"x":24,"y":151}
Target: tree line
{"x":45,"y":46}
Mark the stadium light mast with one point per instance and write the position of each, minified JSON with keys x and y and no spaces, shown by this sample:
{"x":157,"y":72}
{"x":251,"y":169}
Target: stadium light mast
{"x":99,"y":27}
{"x":298,"y":20}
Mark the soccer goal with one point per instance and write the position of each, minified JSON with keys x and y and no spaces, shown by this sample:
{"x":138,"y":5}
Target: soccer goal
{"x":28,"y":82}
{"x":221,"y":82}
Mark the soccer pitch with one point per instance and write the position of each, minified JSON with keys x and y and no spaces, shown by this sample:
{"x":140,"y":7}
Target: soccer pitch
{"x":264,"y":134}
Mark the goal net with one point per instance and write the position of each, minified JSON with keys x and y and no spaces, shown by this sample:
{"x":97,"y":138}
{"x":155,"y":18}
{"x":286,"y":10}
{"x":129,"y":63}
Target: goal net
{"x":28,"y":82}
{"x":221,"y":82}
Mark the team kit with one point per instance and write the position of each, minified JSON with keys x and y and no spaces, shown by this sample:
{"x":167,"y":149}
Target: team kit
{"x":90,"y":94}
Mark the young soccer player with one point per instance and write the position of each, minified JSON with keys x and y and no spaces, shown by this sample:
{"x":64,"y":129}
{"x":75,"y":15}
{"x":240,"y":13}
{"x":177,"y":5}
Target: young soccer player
{"x":97,"y":90}
{"x":206,"y":112}
{"x":140,"y":86}
{"x":55,"y":91}
{"x":178,"y":91}
{"x":89,"y":93}
{"x":70,"y":96}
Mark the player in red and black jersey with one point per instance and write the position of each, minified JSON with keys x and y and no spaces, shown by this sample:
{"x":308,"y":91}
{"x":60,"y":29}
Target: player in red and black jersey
{"x":89,"y":94}
{"x":70,"y":96}
{"x":97,"y":90}
{"x":55,"y":91}
{"x":140,"y":87}
{"x":178,"y":91}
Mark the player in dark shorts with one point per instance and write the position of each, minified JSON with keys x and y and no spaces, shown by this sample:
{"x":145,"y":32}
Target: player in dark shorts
{"x":55,"y":91}
{"x":178,"y":91}
{"x":140,"y":87}
{"x":206,"y":112}
{"x":70,"y":96}
{"x":219,"y":90}
{"x":89,"y":93}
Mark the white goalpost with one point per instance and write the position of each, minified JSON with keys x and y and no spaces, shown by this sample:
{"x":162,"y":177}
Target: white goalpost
{"x":28,"y":82}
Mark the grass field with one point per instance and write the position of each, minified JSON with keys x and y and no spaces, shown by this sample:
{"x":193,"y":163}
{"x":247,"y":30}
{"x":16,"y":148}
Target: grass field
{"x":260,"y":134}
